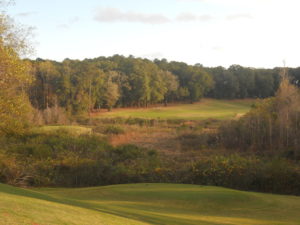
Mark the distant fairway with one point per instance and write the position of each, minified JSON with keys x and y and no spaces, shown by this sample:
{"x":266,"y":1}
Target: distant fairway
{"x":207,"y":108}
{"x":170,"y":204}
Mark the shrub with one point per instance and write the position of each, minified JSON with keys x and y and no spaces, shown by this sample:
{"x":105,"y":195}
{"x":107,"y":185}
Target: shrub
{"x":191,"y":140}
{"x":114,"y":130}
{"x":63,"y":159}
{"x":247,"y":173}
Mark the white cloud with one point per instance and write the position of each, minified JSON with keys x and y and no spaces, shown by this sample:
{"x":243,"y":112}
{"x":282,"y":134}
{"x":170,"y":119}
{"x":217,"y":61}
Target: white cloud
{"x":116,"y":15}
{"x":68,"y":24}
{"x":111,"y":15}
{"x":190,"y":17}
{"x":239,"y":16}
{"x":186,"y":17}
{"x":26,"y":14}
{"x":205,"y":18}
{"x":63,"y":26}
{"x":74,"y":19}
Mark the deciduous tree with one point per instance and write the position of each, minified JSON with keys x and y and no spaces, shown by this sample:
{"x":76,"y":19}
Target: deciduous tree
{"x":14,"y":78}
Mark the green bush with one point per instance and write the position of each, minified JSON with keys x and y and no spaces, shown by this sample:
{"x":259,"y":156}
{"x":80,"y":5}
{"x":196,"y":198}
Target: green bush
{"x":114,"y":130}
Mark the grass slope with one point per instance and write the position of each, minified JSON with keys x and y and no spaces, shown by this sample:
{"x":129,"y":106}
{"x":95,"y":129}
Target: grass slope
{"x":207,"y":108}
{"x":145,"y":204}
{"x":25,"y":207}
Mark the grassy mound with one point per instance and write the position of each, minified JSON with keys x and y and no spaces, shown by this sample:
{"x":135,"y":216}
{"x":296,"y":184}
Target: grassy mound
{"x":145,"y":204}
{"x":19,"y":206}
{"x":207,"y":108}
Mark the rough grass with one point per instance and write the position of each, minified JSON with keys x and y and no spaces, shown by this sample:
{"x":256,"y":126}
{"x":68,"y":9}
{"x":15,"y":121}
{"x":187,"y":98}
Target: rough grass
{"x":77,"y":130}
{"x":146,"y":204}
{"x":207,"y":108}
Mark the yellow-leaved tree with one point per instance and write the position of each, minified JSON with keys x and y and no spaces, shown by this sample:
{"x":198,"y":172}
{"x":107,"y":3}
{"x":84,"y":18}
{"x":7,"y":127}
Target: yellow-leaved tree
{"x":14,"y":77}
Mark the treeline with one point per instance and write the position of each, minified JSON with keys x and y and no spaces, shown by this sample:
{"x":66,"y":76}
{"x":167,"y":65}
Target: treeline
{"x":81,"y":86}
{"x":118,"y":81}
{"x":242,"y":82}
{"x":234,"y":82}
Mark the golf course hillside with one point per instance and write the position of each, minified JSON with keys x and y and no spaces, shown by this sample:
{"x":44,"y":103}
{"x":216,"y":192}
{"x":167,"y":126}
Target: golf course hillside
{"x":132,"y":114}
{"x":205,"y":109}
{"x":145,"y":204}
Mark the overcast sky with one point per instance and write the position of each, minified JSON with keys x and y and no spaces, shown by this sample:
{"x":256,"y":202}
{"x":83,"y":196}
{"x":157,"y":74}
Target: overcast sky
{"x":256,"y":33}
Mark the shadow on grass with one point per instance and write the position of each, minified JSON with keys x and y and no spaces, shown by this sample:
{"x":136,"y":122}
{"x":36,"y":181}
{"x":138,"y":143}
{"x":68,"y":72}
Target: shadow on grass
{"x":39,"y":196}
{"x":137,"y":213}
{"x":152,"y":217}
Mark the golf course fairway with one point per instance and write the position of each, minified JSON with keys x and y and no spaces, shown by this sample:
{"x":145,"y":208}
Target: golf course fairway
{"x":145,"y":204}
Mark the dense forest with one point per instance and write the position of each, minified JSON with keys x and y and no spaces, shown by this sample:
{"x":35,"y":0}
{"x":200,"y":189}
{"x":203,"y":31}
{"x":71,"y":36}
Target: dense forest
{"x":118,"y":81}
{"x":80,"y":86}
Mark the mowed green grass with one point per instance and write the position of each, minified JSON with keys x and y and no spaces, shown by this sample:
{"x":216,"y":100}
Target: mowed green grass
{"x":172,"y":204}
{"x":206,"y":109}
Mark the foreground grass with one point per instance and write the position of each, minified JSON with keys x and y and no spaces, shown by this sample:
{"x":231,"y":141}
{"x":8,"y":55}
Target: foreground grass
{"x":206,"y":109}
{"x":145,"y":204}
{"x":19,"y":206}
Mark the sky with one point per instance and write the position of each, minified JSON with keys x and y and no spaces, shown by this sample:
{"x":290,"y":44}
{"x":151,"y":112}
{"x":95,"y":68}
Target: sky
{"x":252,"y":33}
